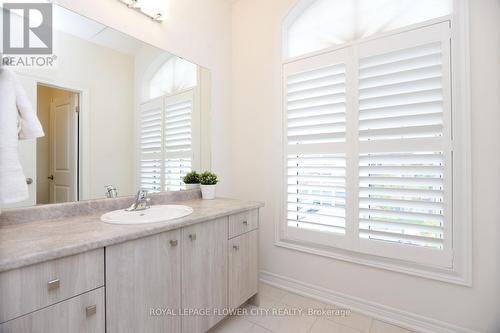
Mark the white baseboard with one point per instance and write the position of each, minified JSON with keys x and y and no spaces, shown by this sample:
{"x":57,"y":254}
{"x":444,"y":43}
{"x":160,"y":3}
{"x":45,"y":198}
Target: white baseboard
{"x":391,"y":315}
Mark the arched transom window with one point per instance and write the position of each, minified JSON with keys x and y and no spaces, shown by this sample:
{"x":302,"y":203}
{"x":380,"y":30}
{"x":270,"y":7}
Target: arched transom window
{"x":320,"y":24}
{"x":176,"y":74}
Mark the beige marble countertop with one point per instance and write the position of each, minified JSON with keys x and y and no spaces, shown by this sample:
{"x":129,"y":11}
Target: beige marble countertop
{"x":23,"y":244}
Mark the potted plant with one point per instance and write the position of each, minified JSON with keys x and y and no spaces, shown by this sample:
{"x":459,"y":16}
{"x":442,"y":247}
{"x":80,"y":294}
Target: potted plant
{"x":192,"y":180}
{"x":208,"y":181}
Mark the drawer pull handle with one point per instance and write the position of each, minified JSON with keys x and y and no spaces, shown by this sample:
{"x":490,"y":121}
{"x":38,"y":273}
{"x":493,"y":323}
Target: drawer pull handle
{"x":173,"y":242}
{"x":53,"y":284}
{"x":91,"y":310}
{"x":236,"y":247}
{"x":192,"y":237}
{"x":245,"y":222}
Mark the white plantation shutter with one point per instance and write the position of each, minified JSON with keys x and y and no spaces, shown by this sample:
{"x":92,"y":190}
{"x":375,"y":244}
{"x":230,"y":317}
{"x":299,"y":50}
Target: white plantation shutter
{"x":405,"y":145}
{"x":151,"y":145}
{"x":178,"y":139}
{"x":315,"y":107}
{"x":369,"y":147}
{"x":168,"y":141}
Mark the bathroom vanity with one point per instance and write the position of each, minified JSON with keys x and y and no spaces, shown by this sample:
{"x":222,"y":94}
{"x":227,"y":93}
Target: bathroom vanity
{"x":63,"y":270}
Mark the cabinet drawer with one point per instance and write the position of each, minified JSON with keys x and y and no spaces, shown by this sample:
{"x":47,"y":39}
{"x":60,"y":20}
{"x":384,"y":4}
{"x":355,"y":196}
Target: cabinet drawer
{"x":33,"y":287}
{"x":243,"y":268}
{"x":80,"y":314}
{"x":243,"y":222}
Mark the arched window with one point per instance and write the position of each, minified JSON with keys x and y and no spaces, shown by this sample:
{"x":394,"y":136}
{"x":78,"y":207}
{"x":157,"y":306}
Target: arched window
{"x":170,"y":119}
{"x":320,"y":24}
{"x":176,"y":74}
{"x":375,"y":130}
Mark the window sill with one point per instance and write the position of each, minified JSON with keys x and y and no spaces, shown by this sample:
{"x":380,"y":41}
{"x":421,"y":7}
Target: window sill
{"x":453,"y":276}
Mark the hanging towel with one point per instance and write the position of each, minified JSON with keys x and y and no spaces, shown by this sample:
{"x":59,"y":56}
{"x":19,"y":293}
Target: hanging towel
{"x":18,"y":121}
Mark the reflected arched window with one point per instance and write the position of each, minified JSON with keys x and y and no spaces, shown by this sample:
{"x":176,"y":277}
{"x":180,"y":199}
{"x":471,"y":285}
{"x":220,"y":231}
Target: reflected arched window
{"x":176,"y":74}
{"x":321,"y":24}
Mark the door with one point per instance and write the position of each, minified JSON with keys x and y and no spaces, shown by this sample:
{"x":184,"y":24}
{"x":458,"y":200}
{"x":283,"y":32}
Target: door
{"x":243,"y":268}
{"x":63,"y":149}
{"x":143,"y":285}
{"x":204,"y":273}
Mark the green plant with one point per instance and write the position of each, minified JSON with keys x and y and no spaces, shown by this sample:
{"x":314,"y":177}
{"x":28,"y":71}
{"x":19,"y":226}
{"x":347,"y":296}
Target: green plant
{"x":208,"y":178}
{"x":191,"y":178}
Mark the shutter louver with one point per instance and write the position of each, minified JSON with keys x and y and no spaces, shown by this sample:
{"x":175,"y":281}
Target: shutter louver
{"x":401,"y":94}
{"x":316,"y":105}
{"x":178,"y":127}
{"x":316,"y":192}
{"x":150,"y":171}
{"x":401,"y":198}
{"x":151,"y":131}
{"x":175,"y":170}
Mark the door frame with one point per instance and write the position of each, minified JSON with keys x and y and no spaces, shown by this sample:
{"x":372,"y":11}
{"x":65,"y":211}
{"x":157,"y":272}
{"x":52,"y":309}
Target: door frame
{"x":83,"y":127}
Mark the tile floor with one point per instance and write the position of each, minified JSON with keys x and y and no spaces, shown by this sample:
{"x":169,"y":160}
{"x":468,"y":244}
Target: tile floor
{"x":334,"y":320}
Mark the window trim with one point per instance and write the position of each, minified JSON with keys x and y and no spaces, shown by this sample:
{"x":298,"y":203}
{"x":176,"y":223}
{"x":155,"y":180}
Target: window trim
{"x":461,"y":270}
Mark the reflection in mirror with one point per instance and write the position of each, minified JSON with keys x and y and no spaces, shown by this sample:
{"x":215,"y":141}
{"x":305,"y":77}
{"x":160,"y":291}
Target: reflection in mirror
{"x":118,"y":115}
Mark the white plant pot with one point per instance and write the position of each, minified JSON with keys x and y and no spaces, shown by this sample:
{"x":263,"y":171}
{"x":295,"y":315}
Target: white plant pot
{"x":208,"y":192}
{"x":192,"y":186}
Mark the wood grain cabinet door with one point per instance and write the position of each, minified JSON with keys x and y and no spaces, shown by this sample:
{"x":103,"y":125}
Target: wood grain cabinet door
{"x":204,"y":274}
{"x":243,"y":268}
{"x":143,"y":285}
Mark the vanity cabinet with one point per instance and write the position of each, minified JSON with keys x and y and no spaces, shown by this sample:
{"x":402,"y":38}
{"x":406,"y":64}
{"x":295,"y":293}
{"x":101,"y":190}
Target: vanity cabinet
{"x":177,"y":281}
{"x":204,"y":273}
{"x":80,"y":314}
{"x":143,"y":280}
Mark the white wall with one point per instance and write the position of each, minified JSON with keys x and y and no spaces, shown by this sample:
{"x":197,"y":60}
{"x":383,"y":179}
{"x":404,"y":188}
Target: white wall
{"x":196,"y":30}
{"x":256,"y":142}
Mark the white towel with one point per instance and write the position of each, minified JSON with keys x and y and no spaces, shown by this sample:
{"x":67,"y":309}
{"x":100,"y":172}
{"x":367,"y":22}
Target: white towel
{"x":18,"y":121}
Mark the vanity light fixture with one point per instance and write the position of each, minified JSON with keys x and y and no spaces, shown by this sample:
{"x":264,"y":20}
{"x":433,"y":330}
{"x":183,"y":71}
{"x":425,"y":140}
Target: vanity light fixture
{"x":146,"y":7}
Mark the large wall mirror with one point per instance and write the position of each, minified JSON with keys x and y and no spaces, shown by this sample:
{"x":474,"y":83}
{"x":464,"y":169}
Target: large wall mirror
{"x":115,"y":111}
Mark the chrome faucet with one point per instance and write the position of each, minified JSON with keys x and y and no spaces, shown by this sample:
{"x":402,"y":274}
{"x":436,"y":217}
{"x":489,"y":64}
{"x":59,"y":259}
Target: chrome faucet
{"x":142,"y":201}
{"x":111,"y":191}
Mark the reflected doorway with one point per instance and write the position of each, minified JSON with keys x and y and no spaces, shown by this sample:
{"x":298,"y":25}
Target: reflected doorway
{"x":57,"y":152}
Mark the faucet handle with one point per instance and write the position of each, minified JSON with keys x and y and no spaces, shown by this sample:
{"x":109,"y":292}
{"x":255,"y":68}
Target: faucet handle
{"x":111,"y":191}
{"x":142,"y":195}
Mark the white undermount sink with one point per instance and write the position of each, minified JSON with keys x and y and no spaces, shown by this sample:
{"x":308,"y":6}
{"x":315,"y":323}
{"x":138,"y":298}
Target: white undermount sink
{"x":154,"y":214}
